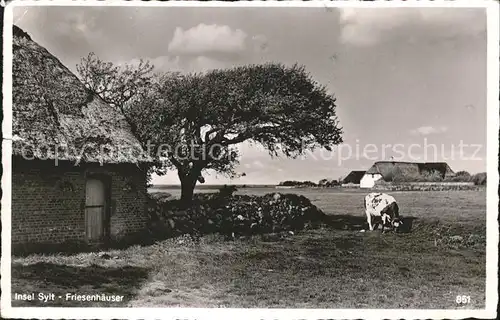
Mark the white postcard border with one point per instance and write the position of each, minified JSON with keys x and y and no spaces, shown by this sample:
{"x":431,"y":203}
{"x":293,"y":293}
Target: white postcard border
{"x":8,"y":311}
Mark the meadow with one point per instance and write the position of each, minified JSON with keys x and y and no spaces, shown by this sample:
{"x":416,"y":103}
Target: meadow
{"x":333,"y":267}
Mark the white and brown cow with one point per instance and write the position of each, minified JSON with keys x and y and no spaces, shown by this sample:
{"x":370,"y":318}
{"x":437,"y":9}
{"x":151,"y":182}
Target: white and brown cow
{"x":384,"y":206}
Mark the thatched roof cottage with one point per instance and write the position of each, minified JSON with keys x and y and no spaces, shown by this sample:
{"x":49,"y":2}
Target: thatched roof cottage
{"x":353,"y":178}
{"x":78,"y":173}
{"x":404,"y":171}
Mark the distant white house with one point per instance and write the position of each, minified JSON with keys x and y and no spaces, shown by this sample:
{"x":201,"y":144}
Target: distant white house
{"x":368,"y":180}
{"x":388,"y":170}
{"x":353,"y":179}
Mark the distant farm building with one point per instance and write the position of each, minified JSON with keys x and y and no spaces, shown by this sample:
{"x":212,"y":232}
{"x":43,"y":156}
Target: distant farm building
{"x":390,"y":171}
{"x":353,"y":178}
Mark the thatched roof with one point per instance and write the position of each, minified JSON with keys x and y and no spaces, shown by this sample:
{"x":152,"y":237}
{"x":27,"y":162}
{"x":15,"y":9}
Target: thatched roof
{"x":52,"y":110}
{"x":391,"y":169}
{"x":354,"y":177}
{"x":441,"y":167}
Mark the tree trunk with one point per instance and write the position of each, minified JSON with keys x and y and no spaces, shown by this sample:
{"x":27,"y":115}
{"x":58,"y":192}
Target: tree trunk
{"x":188,"y":182}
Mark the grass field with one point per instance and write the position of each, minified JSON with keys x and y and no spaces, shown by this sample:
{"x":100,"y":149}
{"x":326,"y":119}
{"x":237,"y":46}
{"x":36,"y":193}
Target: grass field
{"x":335,"y":267}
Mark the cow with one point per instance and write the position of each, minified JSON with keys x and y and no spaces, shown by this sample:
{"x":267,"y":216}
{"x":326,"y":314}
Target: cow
{"x":384,"y":206}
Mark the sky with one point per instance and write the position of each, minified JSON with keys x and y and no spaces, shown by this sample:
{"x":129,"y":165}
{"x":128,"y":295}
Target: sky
{"x":410,"y":83}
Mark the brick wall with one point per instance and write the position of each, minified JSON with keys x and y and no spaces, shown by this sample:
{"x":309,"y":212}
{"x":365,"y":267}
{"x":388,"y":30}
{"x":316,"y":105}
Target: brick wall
{"x":48,"y":201}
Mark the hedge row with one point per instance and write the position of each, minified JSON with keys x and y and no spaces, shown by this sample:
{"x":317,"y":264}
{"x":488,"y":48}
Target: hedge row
{"x":232,"y":215}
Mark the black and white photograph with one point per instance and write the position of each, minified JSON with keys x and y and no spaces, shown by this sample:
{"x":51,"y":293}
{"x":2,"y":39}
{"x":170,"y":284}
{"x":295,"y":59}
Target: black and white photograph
{"x":263,"y":160}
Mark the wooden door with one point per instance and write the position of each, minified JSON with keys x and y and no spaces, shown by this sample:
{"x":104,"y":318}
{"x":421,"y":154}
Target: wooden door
{"x":95,"y":209}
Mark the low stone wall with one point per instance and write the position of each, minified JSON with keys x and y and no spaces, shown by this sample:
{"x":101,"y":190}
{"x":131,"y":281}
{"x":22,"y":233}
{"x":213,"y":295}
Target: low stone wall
{"x":350,"y":185}
{"x":425,"y":186}
{"x":232,"y":215}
